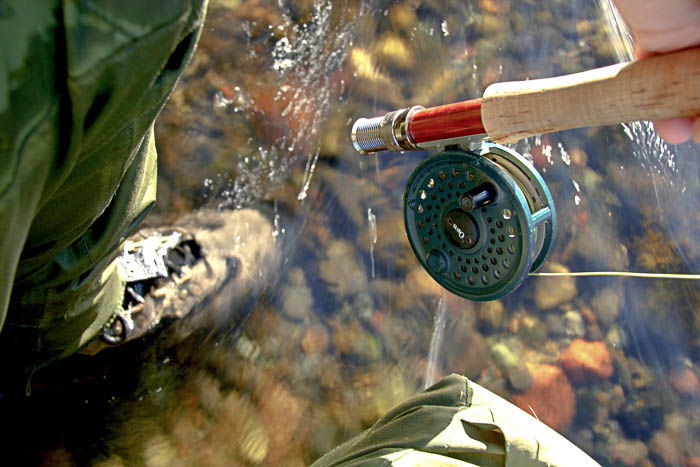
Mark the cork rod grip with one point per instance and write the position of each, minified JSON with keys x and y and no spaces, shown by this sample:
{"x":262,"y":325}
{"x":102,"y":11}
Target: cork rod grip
{"x":656,"y":88}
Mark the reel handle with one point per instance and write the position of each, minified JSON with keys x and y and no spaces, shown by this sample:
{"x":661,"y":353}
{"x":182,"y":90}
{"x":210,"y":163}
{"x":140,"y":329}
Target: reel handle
{"x":656,"y":88}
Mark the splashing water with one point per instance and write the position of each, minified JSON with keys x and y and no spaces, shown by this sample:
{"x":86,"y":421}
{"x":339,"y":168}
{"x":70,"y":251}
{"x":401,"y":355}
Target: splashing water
{"x":372,"y":219}
{"x":306,"y":61}
{"x":436,"y":340}
{"x":648,"y":146}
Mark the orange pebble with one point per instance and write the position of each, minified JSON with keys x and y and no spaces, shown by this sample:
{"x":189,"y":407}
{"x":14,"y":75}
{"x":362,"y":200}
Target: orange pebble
{"x":551,"y":397}
{"x":584,"y":360}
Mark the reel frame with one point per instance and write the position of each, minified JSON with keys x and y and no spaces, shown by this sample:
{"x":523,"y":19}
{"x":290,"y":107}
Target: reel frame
{"x":479,"y":222}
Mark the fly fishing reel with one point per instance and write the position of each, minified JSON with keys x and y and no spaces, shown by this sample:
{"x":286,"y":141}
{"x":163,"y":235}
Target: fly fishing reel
{"x":479,"y":222}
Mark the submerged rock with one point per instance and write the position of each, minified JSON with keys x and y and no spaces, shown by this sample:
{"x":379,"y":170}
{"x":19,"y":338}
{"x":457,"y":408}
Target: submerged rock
{"x":350,"y":339}
{"x":551,"y":397}
{"x":513,"y":367}
{"x":491,"y":315}
{"x":341,"y":271}
{"x":532,"y":330}
{"x":616,"y":337}
{"x":555,"y":324}
{"x":395,"y":51}
{"x":297,"y":301}
{"x":554,"y":291}
{"x":360,"y":306}
{"x":315,"y":339}
{"x":419,"y":282}
{"x":573,"y":324}
{"x":685,"y":381}
{"x":630,"y":452}
{"x":606,"y":304}
{"x":466,"y":351}
{"x":504,"y":358}
{"x":520,"y":377}
{"x":402,"y":16}
{"x":666,"y":448}
{"x":584,"y":361}
{"x":642,"y":414}
{"x":394,"y":388}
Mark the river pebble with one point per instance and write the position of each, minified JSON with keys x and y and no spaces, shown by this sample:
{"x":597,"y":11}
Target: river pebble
{"x":551,"y":397}
{"x":554,"y":291}
{"x":573,"y":324}
{"x":584,"y":361}
{"x":297,"y":301}
{"x":491,"y":315}
{"x":606,"y":304}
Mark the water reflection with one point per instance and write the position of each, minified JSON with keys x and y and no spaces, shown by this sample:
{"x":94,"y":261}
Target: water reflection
{"x":347,"y":324}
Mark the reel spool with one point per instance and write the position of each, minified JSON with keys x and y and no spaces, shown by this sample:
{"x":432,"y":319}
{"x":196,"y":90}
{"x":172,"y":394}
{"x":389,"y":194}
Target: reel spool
{"x":479,"y":222}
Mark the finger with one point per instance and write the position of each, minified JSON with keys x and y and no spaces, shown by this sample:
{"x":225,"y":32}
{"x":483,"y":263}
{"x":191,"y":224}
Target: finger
{"x":675,"y":130}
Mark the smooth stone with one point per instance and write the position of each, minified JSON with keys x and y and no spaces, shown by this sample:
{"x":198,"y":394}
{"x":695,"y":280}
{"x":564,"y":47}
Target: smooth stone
{"x":491,"y":315}
{"x":341,"y":271}
{"x":616,"y":337}
{"x":297,"y":300}
{"x":631,"y":452}
{"x":503,"y":357}
{"x":666,"y":447}
{"x":554,"y":291}
{"x":555,"y":324}
{"x":606,"y":304}
{"x":362,"y":306}
{"x":394,"y":51}
{"x":532,"y":330}
{"x":573,"y":324}
{"x":520,"y":377}
{"x":468,"y":352}
{"x":402,"y":17}
{"x":551,"y":397}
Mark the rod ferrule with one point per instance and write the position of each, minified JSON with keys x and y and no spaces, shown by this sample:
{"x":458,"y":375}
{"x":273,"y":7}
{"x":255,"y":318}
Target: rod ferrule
{"x":371,"y":135}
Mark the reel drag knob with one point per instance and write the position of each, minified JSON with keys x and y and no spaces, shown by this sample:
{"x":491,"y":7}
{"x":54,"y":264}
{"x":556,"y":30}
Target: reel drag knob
{"x":479,"y":222}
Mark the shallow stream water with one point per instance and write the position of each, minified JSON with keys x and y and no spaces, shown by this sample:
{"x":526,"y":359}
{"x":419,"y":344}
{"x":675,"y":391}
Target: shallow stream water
{"x":344,"y":323}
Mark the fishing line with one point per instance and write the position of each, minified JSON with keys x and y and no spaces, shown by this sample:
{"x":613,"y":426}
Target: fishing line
{"x":648,"y":275}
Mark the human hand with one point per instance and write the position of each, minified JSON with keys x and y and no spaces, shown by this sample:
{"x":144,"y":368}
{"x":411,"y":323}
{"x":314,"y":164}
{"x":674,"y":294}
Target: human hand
{"x":661,"y":26}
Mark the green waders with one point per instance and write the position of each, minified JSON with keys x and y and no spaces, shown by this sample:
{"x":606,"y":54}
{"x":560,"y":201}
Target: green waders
{"x":457,"y":423}
{"x":81,"y":82}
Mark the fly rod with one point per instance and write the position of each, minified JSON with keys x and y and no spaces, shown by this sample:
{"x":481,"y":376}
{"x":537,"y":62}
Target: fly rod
{"x":656,"y":88}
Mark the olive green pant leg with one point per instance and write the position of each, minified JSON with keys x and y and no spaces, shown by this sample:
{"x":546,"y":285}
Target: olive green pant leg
{"x":29,"y":132}
{"x":79,"y":91}
{"x":457,"y":423}
{"x":23,"y":69}
{"x":59,"y":318}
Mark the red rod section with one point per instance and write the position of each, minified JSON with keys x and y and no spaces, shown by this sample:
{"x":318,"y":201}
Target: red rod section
{"x":446,"y":121}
